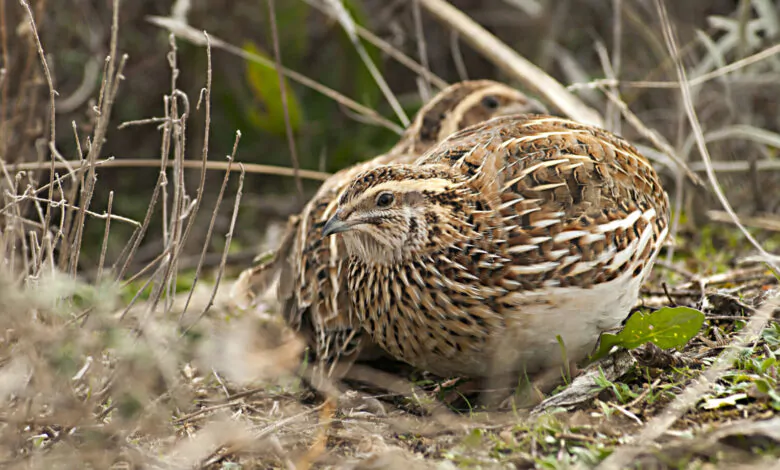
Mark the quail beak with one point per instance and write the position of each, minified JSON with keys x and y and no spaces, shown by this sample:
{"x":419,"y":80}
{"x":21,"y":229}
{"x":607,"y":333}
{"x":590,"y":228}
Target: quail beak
{"x":335,"y":225}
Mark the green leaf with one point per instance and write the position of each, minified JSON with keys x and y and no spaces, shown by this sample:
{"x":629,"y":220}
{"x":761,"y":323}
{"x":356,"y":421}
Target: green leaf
{"x":669,"y":327}
{"x":264,"y":83}
{"x":766,"y":364}
{"x":763,"y":386}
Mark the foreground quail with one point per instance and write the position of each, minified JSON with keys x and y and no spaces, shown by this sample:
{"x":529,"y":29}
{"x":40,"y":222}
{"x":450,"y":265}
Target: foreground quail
{"x":473,"y":259}
{"x":310,"y":269}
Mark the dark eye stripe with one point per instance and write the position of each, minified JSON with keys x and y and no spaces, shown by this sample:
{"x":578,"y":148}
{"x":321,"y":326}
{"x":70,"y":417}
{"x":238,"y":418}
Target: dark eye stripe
{"x":374,"y":220}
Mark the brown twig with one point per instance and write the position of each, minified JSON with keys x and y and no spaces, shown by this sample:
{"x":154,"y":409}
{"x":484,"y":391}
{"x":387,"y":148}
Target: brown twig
{"x":187,"y":164}
{"x":52,"y":107}
{"x":105,"y":236}
{"x":108,"y":94}
{"x":163,"y":164}
{"x":62,"y":203}
{"x":228,"y":239}
{"x":176,"y":124}
{"x":210,"y":230}
{"x":205,"y":98}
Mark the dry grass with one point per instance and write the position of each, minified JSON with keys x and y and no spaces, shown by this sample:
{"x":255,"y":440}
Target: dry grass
{"x":133,"y":357}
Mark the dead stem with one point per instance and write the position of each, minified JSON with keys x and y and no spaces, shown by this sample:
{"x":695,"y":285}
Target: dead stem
{"x":422,"y":50}
{"x":187,"y":164}
{"x":228,"y":239}
{"x":388,"y":49}
{"x":62,"y":203}
{"x":104,"y":245}
{"x":52,"y":113}
{"x":210,"y":230}
{"x":700,"y":141}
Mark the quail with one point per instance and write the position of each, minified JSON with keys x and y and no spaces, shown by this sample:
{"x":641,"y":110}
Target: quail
{"x":501,"y":242}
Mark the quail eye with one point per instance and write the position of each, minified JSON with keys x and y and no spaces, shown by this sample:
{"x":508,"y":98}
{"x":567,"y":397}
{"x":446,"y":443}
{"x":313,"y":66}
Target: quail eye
{"x":490,"y":102}
{"x":385,"y":199}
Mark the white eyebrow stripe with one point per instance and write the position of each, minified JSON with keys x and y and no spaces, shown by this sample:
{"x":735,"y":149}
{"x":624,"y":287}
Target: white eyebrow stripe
{"x":431,"y":185}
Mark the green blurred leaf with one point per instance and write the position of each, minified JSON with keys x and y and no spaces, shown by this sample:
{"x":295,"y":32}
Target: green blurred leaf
{"x":669,"y":327}
{"x":264,"y":83}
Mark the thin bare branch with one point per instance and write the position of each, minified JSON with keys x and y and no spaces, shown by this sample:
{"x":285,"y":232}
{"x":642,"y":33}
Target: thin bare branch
{"x":188,"y":164}
{"x":210,"y":230}
{"x":228,"y":239}
{"x":285,"y":106}
{"x":56,"y":204}
{"x":113,"y":76}
{"x":104,"y":246}
{"x":52,"y":106}
{"x":694,"y":82}
{"x":348,"y":24}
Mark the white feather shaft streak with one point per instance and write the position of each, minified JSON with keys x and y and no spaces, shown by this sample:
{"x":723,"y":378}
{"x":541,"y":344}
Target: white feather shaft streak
{"x":534,"y":268}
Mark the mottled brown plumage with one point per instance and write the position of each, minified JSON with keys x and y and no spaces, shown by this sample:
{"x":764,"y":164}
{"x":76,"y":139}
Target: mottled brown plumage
{"x":310,"y":269}
{"x":471,"y":260}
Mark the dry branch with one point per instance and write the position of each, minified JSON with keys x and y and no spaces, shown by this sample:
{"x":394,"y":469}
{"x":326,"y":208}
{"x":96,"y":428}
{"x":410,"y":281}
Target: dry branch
{"x":187,"y":164}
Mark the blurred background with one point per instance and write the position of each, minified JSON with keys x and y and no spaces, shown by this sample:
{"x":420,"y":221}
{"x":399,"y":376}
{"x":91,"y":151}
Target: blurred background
{"x":576,"y":41}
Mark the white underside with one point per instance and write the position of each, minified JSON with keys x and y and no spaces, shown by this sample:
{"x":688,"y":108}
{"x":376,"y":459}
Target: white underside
{"x":578,"y":315}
